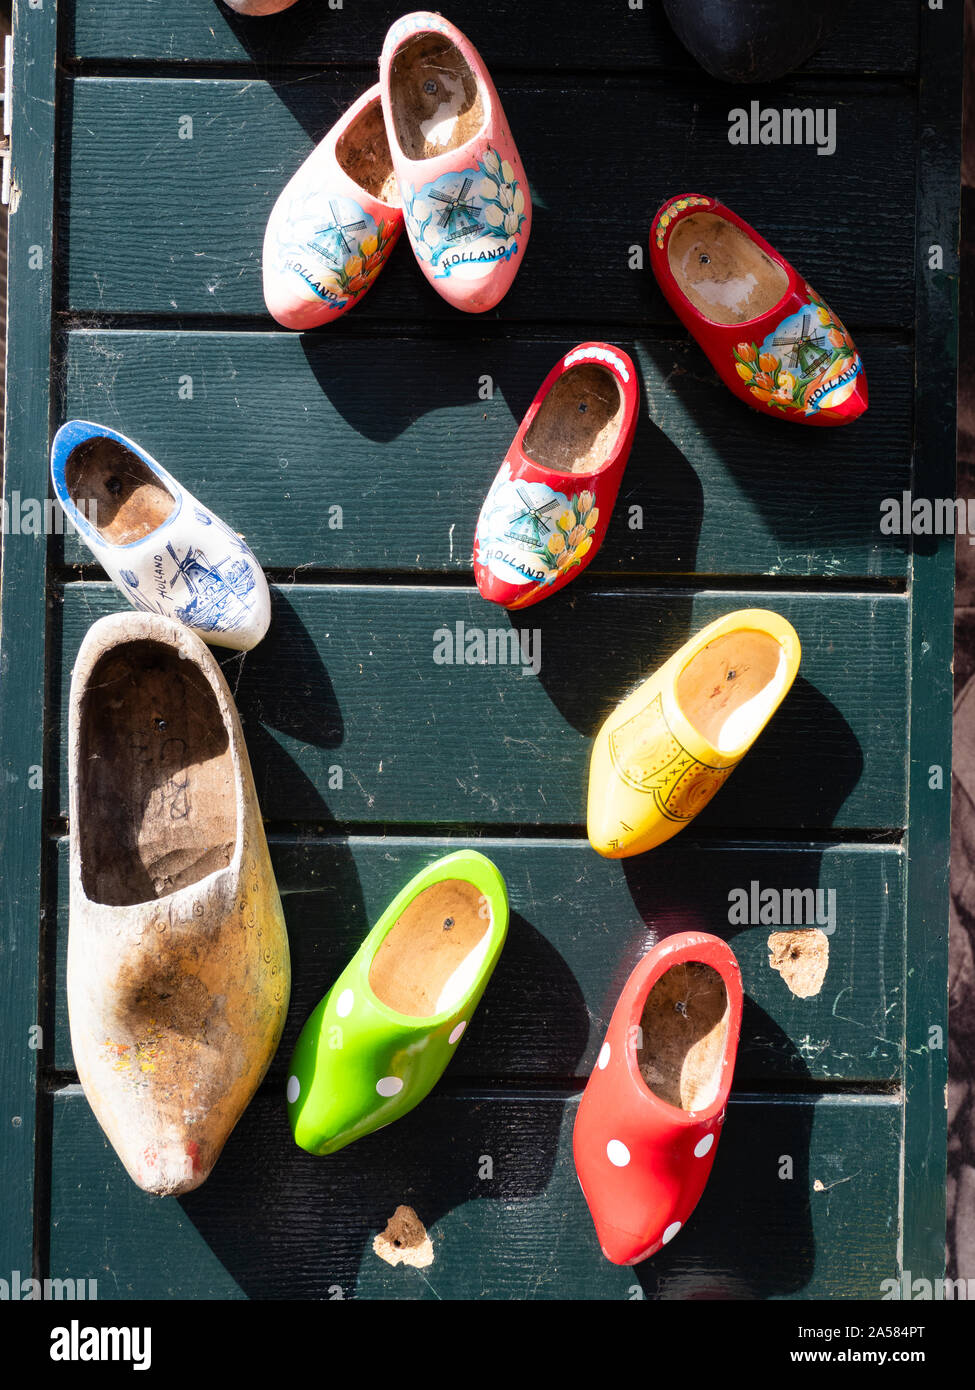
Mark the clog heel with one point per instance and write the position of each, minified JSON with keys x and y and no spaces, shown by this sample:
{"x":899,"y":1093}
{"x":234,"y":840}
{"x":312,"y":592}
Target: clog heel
{"x":379,"y":1040}
{"x":549,"y":506}
{"x":178,"y":967}
{"x":663,"y":753}
{"x":335,"y":223}
{"x":647,"y":1129}
{"x":465,"y":196}
{"x":165,"y":551}
{"x":771,"y":339}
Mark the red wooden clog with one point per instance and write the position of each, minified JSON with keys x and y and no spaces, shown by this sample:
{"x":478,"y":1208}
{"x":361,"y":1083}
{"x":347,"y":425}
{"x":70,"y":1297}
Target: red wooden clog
{"x":651,"y":1114}
{"x":550,"y":503}
{"x":771,"y":338}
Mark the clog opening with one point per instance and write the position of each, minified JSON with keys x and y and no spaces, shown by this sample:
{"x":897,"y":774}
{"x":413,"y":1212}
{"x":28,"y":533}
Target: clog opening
{"x":728,"y":689}
{"x":436,"y":103}
{"x":116,"y":490}
{"x":579,"y":422}
{"x":156,"y":796}
{"x":433,"y":953}
{"x":683,"y":1033}
{"x":722,"y":272}
{"x":363,"y":152}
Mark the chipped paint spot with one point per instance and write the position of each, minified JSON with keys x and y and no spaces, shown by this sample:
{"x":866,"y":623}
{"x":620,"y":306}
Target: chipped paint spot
{"x":801,"y":958}
{"x":405,"y":1240}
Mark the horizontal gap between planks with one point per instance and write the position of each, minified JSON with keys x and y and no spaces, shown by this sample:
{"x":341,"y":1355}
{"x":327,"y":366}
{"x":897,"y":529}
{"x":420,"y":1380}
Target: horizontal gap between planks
{"x":65,"y":1085}
{"x":680,"y":585}
{"x":469,"y":327}
{"x":273,"y":70}
{"x":393,"y":834}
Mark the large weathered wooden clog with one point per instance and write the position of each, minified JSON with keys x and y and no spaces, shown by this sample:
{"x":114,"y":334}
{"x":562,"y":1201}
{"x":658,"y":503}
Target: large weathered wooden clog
{"x":335,"y":223}
{"x":549,"y":506}
{"x":664,"y":752}
{"x":647,"y":1129}
{"x":465,"y":196}
{"x":379,"y":1040}
{"x":178,"y":965}
{"x":166,"y":551}
{"x":770,"y":337}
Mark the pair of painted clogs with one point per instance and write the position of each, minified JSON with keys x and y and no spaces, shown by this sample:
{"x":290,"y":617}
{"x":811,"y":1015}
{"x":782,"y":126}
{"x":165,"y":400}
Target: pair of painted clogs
{"x":428,"y":147}
{"x":166,"y":552}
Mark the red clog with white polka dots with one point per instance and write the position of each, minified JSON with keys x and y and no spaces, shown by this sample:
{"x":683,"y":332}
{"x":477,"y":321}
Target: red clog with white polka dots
{"x":649,"y":1120}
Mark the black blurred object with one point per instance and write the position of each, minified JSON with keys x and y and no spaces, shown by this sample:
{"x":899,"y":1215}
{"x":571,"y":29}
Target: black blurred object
{"x":751,"y":40}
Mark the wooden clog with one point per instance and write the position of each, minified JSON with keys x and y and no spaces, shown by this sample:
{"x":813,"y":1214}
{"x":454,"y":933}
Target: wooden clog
{"x":663,"y":753}
{"x":465,"y":196}
{"x":379,"y":1040}
{"x":166,"y":551}
{"x":754,"y":42}
{"x":178,"y":966}
{"x":259,"y":7}
{"x":335,"y":223}
{"x":647,"y":1129}
{"x":549,"y":506}
{"x":773,"y":341}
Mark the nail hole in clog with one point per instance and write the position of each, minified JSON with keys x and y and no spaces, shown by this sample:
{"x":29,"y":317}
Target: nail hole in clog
{"x":684,"y":1029}
{"x":578,"y":424}
{"x":434,"y":95}
{"x":424,"y":966}
{"x":120,"y":495}
{"x":721,"y":271}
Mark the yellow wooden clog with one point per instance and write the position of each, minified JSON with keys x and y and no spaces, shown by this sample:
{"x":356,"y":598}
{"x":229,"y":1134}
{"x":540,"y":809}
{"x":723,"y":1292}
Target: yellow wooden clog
{"x":664,"y":752}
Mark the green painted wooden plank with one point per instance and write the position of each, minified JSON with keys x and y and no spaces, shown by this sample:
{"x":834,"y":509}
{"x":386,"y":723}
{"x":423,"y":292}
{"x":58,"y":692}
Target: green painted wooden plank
{"x":185,"y":218}
{"x":273,"y":1222}
{"x":579,"y":924}
{"x":508,"y":35}
{"x":22,"y":617}
{"x":932,"y":586}
{"x":347,"y":679}
{"x":752,"y":497}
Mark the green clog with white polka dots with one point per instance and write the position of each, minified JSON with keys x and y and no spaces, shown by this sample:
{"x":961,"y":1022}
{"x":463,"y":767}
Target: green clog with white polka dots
{"x":380,"y":1039}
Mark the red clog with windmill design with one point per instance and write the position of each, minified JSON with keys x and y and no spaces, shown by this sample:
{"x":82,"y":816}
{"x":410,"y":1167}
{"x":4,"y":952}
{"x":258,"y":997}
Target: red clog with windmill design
{"x":550,"y":503}
{"x":650,"y":1117}
{"x":772,"y":340}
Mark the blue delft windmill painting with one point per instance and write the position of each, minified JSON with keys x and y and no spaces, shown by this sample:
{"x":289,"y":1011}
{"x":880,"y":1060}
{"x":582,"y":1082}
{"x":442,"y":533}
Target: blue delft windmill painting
{"x":340,"y":238}
{"x":218,"y":591}
{"x":458,"y":218}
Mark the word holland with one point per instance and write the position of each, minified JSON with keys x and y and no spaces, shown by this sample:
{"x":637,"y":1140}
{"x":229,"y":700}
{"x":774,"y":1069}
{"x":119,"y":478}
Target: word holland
{"x":472,"y":646}
{"x":927,"y":516}
{"x":16,"y":1290}
{"x":763,"y":125}
{"x":29,"y":516}
{"x":756,"y":906}
{"x":76,"y":1343}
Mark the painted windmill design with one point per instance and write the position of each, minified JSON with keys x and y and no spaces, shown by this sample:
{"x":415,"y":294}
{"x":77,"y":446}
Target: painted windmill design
{"x":333,"y":241}
{"x":458,"y":216}
{"x":801,"y":345}
{"x":531,"y":527}
{"x":218,"y":591}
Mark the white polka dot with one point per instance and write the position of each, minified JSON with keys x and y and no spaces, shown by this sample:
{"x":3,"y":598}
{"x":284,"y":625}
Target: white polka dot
{"x":344,"y":1006}
{"x":294,"y":1089}
{"x":617,"y":1153}
{"x":458,"y":1032}
{"x":389,"y":1085}
{"x":670,"y":1232}
{"x":603,"y":1057}
{"x":703,"y":1146}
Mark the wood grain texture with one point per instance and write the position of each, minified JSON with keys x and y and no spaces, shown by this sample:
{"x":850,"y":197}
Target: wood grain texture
{"x":720,"y":488}
{"x":273,"y":1222}
{"x":609,"y":35}
{"x":578,"y":926}
{"x":185,"y":218}
{"x":346,"y":678}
